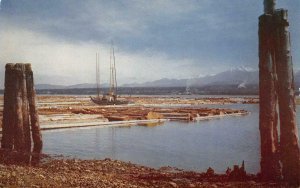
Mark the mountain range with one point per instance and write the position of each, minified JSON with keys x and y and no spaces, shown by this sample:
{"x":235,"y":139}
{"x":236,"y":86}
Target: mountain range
{"x":238,"y":77}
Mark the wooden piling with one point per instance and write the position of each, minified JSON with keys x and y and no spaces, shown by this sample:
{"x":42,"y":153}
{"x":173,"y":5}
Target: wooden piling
{"x":19,"y":143}
{"x":289,"y":147}
{"x":25,"y":113}
{"x":35,"y":126}
{"x":8,"y":118}
{"x":277,"y":86}
{"x":20,"y":117}
{"x":270,"y":167}
{"x":269,"y":6}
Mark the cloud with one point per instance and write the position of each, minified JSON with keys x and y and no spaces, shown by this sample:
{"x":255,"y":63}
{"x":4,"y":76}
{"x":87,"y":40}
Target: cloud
{"x":62,"y":62}
{"x":153,"y":39}
{"x":99,"y":20}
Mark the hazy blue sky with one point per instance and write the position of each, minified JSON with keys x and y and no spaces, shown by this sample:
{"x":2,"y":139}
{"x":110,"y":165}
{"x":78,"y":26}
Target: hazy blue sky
{"x":153,"y":39}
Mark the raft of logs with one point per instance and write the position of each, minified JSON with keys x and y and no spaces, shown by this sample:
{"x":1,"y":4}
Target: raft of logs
{"x":73,"y":111}
{"x":174,"y":101}
{"x":143,"y":113}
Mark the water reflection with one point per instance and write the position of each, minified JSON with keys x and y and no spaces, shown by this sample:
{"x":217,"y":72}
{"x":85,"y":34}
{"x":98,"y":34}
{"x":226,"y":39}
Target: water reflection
{"x":217,"y":143}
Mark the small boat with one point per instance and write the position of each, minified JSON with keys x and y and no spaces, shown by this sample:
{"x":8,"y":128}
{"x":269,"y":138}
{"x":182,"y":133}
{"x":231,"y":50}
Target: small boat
{"x":109,"y":98}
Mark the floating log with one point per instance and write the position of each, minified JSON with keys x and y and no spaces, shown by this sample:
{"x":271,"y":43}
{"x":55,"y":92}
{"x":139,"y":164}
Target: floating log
{"x":154,"y":115}
{"x":179,"y":118}
{"x":175,"y":114}
{"x":118,"y":118}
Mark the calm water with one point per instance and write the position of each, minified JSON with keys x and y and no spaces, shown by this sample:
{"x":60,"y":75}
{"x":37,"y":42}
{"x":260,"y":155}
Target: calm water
{"x":217,"y":143}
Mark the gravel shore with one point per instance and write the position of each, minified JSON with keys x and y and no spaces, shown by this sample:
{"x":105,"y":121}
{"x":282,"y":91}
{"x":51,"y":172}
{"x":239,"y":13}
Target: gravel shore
{"x":54,"y":172}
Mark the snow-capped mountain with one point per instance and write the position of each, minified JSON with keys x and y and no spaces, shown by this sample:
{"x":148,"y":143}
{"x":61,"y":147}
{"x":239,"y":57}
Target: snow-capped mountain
{"x":240,"y":76}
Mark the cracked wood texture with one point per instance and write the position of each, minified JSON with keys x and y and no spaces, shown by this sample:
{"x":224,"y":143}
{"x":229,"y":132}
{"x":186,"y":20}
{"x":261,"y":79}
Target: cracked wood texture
{"x":287,"y":107}
{"x":270,"y":168}
{"x":20,"y":116}
{"x":277,"y":88}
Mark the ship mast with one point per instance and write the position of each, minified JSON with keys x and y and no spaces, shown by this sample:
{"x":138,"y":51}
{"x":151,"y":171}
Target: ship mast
{"x":98,"y":74}
{"x":115,"y":74}
{"x":113,"y":79}
{"x":111,"y":85}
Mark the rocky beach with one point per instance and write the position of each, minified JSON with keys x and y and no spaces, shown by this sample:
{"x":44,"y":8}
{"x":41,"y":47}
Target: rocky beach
{"x":61,"y":172}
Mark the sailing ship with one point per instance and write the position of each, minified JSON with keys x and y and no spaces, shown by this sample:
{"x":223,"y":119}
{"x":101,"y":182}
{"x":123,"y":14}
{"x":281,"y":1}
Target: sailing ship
{"x":109,"y":98}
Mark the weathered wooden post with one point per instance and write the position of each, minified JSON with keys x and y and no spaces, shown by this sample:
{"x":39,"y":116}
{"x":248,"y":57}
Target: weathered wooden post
{"x":289,"y":148}
{"x":25,"y":113}
{"x":269,"y":6}
{"x":35,"y":126}
{"x":277,"y":81}
{"x":20,"y":118}
{"x":270,"y":168}
{"x":8,"y":118}
{"x":17,"y":106}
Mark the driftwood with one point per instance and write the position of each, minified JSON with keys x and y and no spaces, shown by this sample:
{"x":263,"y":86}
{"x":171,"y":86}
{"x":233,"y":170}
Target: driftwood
{"x":277,"y":87}
{"x":20,"y":118}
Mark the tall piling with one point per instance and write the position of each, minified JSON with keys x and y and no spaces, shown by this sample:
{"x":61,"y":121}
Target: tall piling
{"x":270,"y":167}
{"x":277,"y":87}
{"x":35,"y":126}
{"x":286,"y":95}
{"x":19,"y":141}
{"x":8,"y":118}
{"x":20,"y":117}
{"x":25,"y":112}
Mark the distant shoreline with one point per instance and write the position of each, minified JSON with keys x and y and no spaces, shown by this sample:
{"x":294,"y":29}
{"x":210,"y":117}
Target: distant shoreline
{"x":212,"y":90}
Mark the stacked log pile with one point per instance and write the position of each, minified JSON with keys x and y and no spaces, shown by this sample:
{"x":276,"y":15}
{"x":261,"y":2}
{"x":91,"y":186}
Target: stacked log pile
{"x":142,"y":113}
{"x":193,"y":101}
{"x":79,"y":109}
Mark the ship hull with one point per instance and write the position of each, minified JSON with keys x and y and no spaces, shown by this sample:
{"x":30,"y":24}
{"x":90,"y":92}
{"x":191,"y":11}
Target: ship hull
{"x":99,"y":101}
